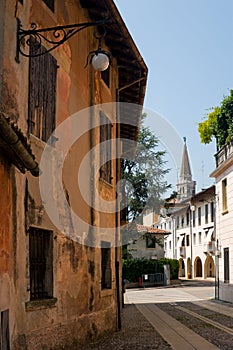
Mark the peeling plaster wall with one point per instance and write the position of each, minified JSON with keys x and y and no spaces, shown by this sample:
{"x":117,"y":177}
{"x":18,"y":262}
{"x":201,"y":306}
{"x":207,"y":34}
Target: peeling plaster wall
{"x":81,"y":309}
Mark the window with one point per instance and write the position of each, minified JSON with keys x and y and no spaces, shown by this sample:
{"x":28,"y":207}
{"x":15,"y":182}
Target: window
{"x":182,"y":221}
{"x":187,"y":240}
{"x":212,"y":211}
{"x":105,"y":148}
{"x":187,"y":218}
{"x":199,"y":216}
{"x":165,"y":245}
{"x":4,"y":330}
{"x":224,"y":195}
{"x":194,"y":238}
{"x":194,"y":218}
{"x":50,"y":4}
{"x":106,"y":281}
{"x":226,"y":265}
{"x":177,"y":222}
{"x":42,"y":93}
{"x":150,"y":242}
{"x":41,"y":263}
{"x":206,"y":213}
{"x":105,"y":75}
{"x":199,"y":237}
{"x":170,"y":245}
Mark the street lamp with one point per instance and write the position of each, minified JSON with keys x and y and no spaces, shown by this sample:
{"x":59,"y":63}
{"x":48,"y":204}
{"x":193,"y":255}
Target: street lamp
{"x":100,"y":59}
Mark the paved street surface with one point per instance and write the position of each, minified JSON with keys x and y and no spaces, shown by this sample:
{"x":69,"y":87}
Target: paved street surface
{"x":187,"y":291}
{"x":174,"y":317}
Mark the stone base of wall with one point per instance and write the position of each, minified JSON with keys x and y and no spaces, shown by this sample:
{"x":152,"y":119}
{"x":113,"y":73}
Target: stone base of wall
{"x":70,"y":335}
{"x":226,"y":292}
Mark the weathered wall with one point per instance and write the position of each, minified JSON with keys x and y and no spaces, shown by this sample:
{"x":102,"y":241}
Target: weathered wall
{"x":80,"y":308}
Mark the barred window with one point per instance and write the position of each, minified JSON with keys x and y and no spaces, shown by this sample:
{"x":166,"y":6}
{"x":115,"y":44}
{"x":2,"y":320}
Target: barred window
{"x":42,"y":93}
{"x":41,"y":263}
{"x":106,"y":281}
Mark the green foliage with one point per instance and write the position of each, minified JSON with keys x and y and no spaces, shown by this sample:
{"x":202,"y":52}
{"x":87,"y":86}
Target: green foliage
{"x":174,"y":267}
{"x":145,"y":174}
{"x":134,"y":268}
{"x":218,"y":123}
{"x":207,"y":128}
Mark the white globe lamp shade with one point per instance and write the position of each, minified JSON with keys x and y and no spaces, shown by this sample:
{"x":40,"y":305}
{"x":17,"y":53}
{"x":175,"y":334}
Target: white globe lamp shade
{"x":100,"y":62}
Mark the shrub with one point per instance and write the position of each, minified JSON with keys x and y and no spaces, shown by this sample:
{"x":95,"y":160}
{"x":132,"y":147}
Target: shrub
{"x":134,"y":268}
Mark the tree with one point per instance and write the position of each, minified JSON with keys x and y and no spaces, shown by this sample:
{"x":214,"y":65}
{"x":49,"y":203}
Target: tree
{"x":218,"y":123}
{"x":145,"y":175}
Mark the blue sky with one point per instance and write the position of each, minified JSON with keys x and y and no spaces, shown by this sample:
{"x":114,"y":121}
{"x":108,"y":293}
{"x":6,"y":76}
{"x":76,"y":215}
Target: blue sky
{"x":188,"y":48}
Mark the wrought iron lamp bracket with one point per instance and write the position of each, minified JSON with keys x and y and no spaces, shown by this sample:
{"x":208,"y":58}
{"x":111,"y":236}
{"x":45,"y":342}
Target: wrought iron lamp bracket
{"x":59,"y":34}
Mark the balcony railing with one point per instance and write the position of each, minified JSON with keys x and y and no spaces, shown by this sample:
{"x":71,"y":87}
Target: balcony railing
{"x":182,"y":251}
{"x":209,"y":248}
{"x":223,"y":154}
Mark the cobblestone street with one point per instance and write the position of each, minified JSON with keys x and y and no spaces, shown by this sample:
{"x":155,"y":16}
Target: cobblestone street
{"x":184,"y":316}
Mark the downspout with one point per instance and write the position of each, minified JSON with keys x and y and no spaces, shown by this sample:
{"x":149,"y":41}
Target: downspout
{"x":2,"y":21}
{"x":14,"y":143}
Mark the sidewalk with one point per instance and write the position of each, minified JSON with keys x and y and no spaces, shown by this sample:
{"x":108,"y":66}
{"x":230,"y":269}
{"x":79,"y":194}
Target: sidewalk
{"x":137,"y":333}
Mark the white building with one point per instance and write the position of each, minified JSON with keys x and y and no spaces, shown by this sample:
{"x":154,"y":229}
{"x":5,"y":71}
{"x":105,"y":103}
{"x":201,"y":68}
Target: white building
{"x":190,"y":219}
{"x":224,"y":222}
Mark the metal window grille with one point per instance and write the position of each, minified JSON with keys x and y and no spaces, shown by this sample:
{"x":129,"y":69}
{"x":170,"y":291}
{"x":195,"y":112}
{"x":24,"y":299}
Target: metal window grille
{"x":42,"y":93}
{"x":41,"y":263}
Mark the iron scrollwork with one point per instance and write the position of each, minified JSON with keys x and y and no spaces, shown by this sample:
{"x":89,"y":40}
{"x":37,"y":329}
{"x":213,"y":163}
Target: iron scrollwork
{"x":59,"y":34}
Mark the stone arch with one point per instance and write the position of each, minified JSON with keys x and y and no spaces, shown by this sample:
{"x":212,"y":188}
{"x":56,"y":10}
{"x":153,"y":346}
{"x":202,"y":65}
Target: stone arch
{"x":209,"y":267}
{"x":197,"y":267}
{"x":181,"y":268}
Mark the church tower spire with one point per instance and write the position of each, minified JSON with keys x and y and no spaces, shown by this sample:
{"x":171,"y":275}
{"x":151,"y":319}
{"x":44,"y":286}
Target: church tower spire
{"x":186,"y":186}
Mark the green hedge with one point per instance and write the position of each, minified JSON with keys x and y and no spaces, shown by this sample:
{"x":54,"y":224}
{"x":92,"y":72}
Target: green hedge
{"x":134,"y":268}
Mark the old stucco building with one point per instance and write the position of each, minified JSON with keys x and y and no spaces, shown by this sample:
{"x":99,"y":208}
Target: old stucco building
{"x":57,"y":290}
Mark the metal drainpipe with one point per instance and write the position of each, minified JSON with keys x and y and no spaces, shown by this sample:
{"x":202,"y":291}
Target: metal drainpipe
{"x":13,"y":141}
{"x":2,"y":21}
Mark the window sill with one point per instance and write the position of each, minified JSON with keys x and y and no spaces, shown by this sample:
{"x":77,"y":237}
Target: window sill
{"x":225,"y":212}
{"x":40,"y":304}
{"x":109,"y":184}
{"x":106,"y":292}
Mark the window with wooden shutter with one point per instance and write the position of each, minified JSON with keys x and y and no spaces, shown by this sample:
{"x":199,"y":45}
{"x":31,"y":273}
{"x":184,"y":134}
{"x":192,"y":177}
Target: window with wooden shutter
{"x":42,"y":93}
{"x":50,"y":4}
{"x":105,"y":148}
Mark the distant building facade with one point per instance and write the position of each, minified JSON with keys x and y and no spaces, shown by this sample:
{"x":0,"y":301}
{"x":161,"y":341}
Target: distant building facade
{"x":190,"y":218}
{"x":147,"y":244}
{"x":223,"y":175}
